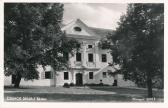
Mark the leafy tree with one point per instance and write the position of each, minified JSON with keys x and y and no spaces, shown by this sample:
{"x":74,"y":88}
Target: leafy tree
{"x":32,"y":36}
{"x":138,"y":44}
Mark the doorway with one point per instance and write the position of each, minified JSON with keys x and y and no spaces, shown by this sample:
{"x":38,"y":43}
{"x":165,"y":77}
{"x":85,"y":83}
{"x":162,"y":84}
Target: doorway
{"x":79,"y":79}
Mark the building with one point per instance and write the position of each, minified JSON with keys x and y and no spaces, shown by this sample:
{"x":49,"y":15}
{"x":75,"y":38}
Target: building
{"x":88,"y":66}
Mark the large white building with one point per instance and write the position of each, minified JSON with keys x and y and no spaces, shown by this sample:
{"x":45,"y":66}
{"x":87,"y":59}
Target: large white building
{"x":90,"y":65}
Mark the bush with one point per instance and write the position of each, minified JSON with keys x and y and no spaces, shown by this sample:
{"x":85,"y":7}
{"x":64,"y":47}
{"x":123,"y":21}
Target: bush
{"x":72,"y":84}
{"x":93,"y":84}
{"x":101,"y":84}
{"x":66,"y":85}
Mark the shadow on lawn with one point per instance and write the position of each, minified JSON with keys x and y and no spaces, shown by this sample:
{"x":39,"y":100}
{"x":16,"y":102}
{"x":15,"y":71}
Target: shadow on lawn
{"x":21,"y":87}
{"x":131,"y":91}
{"x":55,"y":97}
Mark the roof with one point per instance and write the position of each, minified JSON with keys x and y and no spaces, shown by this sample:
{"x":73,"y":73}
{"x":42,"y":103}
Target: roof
{"x":100,"y":32}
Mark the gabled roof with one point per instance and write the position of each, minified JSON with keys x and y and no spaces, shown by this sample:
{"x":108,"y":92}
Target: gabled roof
{"x":90,"y":31}
{"x":102,"y":32}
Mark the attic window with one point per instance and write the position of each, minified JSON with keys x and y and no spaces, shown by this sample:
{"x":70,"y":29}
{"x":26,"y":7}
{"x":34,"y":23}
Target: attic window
{"x":77,"y":29}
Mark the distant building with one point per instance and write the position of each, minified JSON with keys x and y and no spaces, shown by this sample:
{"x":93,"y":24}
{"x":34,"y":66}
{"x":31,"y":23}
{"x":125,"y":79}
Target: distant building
{"x":88,"y":66}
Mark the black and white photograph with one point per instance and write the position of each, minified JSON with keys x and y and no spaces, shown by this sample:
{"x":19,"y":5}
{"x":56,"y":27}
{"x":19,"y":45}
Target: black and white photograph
{"x":83,"y":52}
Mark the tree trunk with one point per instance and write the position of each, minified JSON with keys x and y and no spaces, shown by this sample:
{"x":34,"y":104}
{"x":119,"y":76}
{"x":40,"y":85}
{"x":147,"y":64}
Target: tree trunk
{"x":17,"y":81}
{"x":54,"y":76}
{"x":149,"y":84}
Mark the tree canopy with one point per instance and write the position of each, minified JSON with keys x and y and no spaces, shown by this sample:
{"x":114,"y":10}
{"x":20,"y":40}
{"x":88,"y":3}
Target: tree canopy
{"x":138,"y":44}
{"x":33,"y":36}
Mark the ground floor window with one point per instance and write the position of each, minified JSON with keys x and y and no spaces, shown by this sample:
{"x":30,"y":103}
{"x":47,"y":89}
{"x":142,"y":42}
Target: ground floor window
{"x":104,"y":74}
{"x":90,"y":75}
{"x":66,"y":76}
{"x":48,"y":75}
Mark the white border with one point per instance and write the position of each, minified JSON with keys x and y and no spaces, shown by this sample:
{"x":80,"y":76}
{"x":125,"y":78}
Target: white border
{"x":83,"y":105}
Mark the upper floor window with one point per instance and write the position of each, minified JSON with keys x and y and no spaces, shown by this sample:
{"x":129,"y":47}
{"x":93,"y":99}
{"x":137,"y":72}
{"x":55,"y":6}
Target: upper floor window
{"x":78,"y":29}
{"x":90,"y":75}
{"x":90,"y":46}
{"x":66,"y":56}
{"x":90,"y":57}
{"x":66,"y":76}
{"x":48,"y":75}
{"x":78,"y":57}
{"x":104,"y":58}
{"x":78,"y":45}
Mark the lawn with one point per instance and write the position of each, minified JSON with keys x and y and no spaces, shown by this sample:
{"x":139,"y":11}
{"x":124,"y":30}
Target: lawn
{"x":79,"y":94}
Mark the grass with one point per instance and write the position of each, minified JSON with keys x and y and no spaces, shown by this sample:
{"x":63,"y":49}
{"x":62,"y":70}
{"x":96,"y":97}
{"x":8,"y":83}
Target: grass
{"x":84,"y":94}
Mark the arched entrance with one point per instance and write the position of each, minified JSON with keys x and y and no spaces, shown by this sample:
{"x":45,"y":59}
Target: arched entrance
{"x":79,"y":79}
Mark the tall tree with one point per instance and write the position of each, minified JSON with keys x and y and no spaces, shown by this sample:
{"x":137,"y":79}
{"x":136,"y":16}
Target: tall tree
{"x":32,"y":36}
{"x":138,"y":44}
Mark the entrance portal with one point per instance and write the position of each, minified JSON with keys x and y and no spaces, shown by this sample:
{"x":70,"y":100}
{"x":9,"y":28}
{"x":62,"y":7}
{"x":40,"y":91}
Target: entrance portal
{"x":79,"y":79}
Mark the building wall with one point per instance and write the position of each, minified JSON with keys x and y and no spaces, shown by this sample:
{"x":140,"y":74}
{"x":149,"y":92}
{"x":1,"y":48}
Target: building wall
{"x":123,"y":83}
{"x":97,"y":76}
{"x":7,"y":81}
{"x":97,"y":52}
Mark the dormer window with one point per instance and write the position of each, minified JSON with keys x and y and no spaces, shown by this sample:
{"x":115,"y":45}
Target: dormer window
{"x":78,"y":29}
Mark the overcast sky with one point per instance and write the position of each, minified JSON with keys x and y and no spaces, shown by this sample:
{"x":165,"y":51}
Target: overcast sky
{"x":100,"y":15}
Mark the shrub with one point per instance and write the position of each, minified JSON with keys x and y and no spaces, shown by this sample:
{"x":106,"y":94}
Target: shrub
{"x":93,"y":84}
{"x":101,"y":84}
{"x":72,"y":84}
{"x":66,"y":85}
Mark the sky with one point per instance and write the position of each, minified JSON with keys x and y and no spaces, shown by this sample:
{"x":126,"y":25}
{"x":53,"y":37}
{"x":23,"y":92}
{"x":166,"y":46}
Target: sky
{"x":99,"y":15}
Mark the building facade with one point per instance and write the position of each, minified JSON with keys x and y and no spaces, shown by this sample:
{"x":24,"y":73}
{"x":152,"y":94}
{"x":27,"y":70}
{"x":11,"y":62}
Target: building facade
{"x":90,"y":65}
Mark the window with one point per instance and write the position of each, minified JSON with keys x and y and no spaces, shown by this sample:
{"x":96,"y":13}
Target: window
{"x":13,"y":79}
{"x":90,"y":75}
{"x":89,"y":46}
{"x":48,"y":75}
{"x":78,"y":45}
{"x":104,"y":58}
{"x":90,"y":57}
{"x":78,"y":56}
{"x":66,"y":56}
{"x":104,"y":74}
{"x":66,"y":76}
{"x":78,"y":29}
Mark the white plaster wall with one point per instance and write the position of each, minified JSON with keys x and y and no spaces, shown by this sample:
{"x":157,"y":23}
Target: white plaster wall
{"x":60,"y":78}
{"x":40,"y":82}
{"x":97,"y":52}
{"x":97,"y":77}
{"x":123,"y":83}
{"x":7,"y":80}
{"x":109,"y":57}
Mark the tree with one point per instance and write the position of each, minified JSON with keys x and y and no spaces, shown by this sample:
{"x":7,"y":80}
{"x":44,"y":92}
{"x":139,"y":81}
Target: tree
{"x":138,"y":44}
{"x":32,"y":36}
